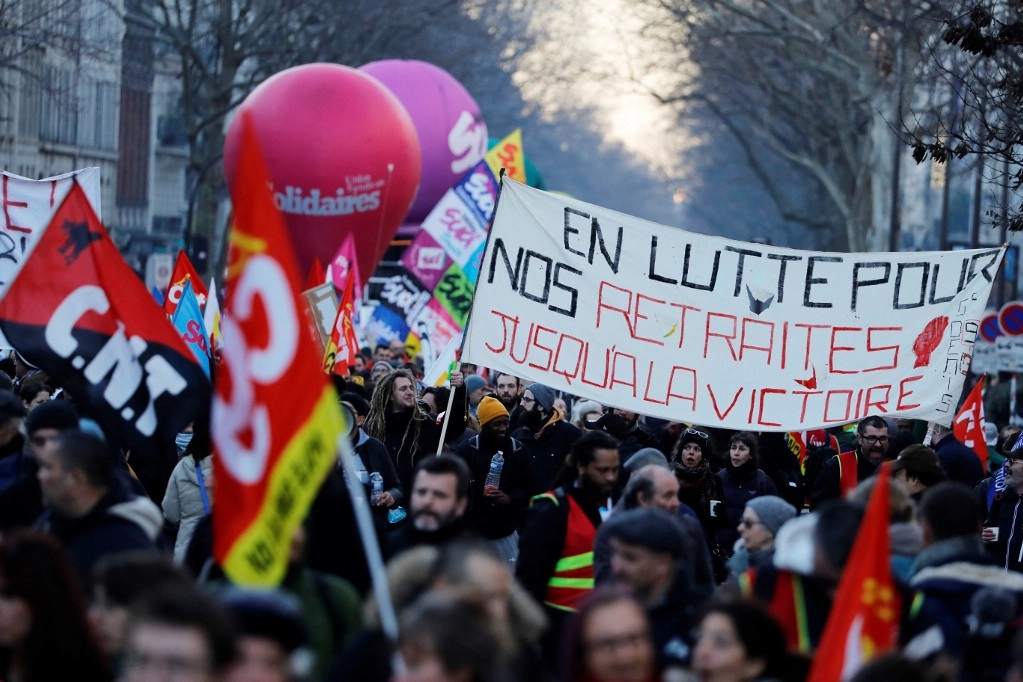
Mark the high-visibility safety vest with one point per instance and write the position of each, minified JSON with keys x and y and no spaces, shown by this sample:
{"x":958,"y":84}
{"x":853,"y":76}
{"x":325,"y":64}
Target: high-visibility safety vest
{"x":573,"y":575}
{"x":848,"y":476}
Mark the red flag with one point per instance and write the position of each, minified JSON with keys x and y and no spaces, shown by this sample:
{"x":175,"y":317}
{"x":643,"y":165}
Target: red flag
{"x":864,"y":619}
{"x":345,"y":263}
{"x":968,"y":426}
{"x":76,"y":310}
{"x":340,"y":354}
{"x":184,"y":271}
{"x":316,"y":277}
{"x":274,"y":444}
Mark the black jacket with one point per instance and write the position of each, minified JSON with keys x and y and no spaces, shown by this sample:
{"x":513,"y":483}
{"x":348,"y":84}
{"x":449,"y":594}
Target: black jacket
{"x":828,"y":487}
{"x":97,"y":534}
{"x":407,"y":449}
{"x":546,"y":452}
{"x":375,"y":457}
{"x":485,"y":517}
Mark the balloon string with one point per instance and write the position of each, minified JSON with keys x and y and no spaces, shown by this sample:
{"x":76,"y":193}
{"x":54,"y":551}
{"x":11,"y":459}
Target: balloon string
{"x":383,"y":210}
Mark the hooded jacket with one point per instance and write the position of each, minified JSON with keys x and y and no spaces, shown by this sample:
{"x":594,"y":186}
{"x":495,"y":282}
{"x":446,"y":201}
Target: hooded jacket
{"x":116,"y":523}
{"x":183,"y":501}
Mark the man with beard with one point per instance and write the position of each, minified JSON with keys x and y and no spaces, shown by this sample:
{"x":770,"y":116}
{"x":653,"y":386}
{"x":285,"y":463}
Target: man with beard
{"x":846,"y":470}
{"x":397,"y":418}
{"x":1010,"y":533}
{"x":556,"y":545}
{"x":440,"y":496}
{"x":506,"y":389}
{"x":495,"y":512}
{"x":545,"y":435}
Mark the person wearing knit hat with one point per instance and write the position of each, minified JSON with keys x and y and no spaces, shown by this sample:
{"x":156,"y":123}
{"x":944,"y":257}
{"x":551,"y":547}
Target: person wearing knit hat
{"x":545,"y":435}
{"x":758,"y":527}
{"x":489,"y":410}
{"x":476,"y":388}
{"x":648,"y":555}
{"x":542,"y":395}
{"x":273,"y":641}
{"x":21,"y":502}
{"x":499,"y":493}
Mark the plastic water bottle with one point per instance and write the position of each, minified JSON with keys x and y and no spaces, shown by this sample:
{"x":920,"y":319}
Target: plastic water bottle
{"x":494,"y":475}
{"x":376,"y":482}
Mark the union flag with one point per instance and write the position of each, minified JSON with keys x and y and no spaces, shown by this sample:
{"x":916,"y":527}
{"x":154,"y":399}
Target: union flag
{"x":276,"y":418}
{"x":968,"y":425}
{"x":864,"y":619}
{"x":77,"y":311}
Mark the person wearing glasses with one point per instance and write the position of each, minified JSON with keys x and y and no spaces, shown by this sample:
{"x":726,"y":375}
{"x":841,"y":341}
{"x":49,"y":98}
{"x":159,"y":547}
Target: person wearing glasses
{"x":846,"y":470}
{"x":758,"y":527}
{"x":545,"y":436}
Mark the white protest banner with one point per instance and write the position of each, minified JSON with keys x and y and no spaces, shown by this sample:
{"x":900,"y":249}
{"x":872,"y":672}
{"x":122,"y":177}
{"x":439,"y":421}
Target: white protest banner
{"x":28,"y":207}
{"x":700,"y":329}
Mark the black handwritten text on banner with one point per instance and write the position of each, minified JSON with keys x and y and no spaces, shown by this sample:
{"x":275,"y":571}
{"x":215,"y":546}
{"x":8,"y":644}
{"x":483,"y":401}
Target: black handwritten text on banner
{"x":713,"y":331}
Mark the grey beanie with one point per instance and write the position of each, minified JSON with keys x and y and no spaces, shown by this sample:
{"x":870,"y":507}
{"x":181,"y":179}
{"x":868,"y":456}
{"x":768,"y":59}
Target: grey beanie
{"x":655,"y":529}
{"x":474,"y":382}
{"x":543,"y":395}
{"x":773,"y":511}
{"x":643,"y":457}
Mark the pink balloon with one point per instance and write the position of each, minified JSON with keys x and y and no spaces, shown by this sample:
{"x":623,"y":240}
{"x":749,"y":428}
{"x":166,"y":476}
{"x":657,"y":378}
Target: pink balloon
{"x":343,"y":157}
{"x":452,"y":134}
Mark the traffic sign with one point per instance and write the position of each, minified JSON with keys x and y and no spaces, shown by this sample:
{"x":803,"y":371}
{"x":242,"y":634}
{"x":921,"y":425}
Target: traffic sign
{"x":1010,"y":318}
{"x":990,"y":329}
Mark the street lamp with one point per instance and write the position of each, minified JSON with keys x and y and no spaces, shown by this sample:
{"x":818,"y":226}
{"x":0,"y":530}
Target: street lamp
{"x":193,"y":191}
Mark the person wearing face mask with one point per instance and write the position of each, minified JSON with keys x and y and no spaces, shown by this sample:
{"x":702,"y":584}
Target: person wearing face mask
{"x":190,"y":488}
{"x":741,"y":480}
{"x":182,"y":440}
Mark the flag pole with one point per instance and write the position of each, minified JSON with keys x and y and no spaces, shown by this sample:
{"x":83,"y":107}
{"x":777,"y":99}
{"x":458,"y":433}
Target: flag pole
{"x":370,"y":545}
{"x":451,"y":404}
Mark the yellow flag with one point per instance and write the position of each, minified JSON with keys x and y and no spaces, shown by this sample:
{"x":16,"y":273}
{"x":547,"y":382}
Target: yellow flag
{"x":507,"y":154}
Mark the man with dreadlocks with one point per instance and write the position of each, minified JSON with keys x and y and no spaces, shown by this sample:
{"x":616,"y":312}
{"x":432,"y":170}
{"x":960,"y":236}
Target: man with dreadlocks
{"x":397,"y":418}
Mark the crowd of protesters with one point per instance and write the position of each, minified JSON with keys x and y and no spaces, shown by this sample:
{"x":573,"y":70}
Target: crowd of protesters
{"x":528,"y":535}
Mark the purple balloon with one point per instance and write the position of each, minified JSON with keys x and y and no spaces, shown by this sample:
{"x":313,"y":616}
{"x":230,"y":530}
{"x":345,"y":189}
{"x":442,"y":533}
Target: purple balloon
{"x":452,"y":133}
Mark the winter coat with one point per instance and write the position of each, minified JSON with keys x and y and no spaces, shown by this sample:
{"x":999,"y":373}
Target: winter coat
{"x":183,"y":502}
{"x":375,"y":457}
{"x":740,"y":485}
{"x":546,"y":451}
{"x":116,"y":523}
{"x":827,"y":486}
{"x":702,"y":492}
{"x":485,"y":517}
{"x":406,"y":449}
{"x":949,"y":574}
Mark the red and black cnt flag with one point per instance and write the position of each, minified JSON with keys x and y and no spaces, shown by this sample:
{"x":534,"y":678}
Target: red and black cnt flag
{"x":76,"y":310}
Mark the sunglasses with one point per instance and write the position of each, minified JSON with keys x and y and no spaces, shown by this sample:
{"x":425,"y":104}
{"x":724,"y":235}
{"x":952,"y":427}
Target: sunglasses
{"x":701,"y":434}
{"x":747,"y":523}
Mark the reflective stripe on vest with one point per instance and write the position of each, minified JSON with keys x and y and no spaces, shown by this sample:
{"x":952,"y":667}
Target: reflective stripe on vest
{"x":573,"y":574}
{"x":848,"y":476}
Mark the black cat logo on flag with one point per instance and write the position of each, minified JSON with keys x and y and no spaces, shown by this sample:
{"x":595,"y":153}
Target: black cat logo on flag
{"x":76,"y":310}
